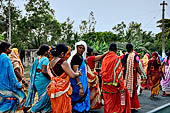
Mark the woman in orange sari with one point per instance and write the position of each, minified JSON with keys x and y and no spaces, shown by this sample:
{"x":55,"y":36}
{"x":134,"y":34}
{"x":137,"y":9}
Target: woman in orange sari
{"x":154,"y":74}
{"x":59,"y":89}
{"x":115,"y":94}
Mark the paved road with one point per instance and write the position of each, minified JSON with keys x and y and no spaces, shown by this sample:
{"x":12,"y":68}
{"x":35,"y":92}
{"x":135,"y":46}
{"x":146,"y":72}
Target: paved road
{"x":146,"y":103}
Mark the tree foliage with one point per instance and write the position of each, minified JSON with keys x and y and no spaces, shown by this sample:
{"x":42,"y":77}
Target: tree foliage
{"x":41,"y":25}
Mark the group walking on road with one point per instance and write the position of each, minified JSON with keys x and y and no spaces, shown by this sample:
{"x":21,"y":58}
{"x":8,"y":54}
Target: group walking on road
{"x":69,"y":81}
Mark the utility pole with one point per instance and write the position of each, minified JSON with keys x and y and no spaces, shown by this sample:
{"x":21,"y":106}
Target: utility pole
{"x":163,"y":29}
{"x":9,"y":21}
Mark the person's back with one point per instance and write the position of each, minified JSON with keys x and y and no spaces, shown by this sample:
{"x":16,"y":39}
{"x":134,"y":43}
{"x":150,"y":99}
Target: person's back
{"x":116,"y":96}
{"x":132,"y":67}
{"x":10,"y":88}
{"x":4,"y":72}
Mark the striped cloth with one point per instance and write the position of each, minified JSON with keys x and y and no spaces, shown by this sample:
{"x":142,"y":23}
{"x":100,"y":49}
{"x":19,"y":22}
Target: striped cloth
{"x":129,"y":73}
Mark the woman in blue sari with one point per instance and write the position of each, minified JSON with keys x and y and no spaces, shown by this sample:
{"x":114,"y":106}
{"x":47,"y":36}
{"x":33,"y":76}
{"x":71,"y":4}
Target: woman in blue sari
{"x":39,"y":79}
{"x":11,"y":95}
{"x":81,"y":95}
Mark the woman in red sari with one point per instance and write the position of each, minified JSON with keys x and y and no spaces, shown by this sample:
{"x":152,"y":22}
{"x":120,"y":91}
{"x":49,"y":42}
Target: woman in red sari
{"x":131,"y":62}
{"x":154,"y":74}
{"x":115,"y":94}
{"x":93,"y":79}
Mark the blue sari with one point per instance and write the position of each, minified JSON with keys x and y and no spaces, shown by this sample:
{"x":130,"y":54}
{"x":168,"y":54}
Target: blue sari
{"x":10,"y":88}
{"x":85,"y":105}
{"x":38,"y":82}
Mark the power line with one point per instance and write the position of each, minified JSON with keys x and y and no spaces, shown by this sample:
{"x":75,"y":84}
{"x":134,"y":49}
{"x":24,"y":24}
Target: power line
{"x":138,"y":16}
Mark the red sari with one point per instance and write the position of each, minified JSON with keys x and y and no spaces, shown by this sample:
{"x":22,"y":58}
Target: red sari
{"x":154,"y":73}
{"x":113,"y":85}
{"x":131,"y":80}
{"x":93,"y":84}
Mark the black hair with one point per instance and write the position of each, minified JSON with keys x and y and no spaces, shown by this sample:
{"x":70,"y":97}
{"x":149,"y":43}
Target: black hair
{"x":4,"y":46}
{"x":89,"y":51}
{"x":112,"y":47}
{"x":59,"y":49}
{"x":129,"y":47}
{"x":42,"y":49}
{"x":123,"y":51}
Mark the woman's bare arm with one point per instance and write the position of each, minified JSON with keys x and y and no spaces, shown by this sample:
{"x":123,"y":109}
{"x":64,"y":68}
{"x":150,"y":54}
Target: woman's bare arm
{"x":74,"y":74}
{"x":44,"y":72}
{"x":69,"y":71}
{"x":98,"y":57}
{"x":19,"y":77}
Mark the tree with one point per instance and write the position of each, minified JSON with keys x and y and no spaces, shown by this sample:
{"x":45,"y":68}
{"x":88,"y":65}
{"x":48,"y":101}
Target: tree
{"x":88,"y":26}
{"x":1,"y":37}
{"x":167,"y":35}
{"x":142,"y":40}
{"x":41,"y":25}
{"x":15,"y":17}
{"x":99,"y":40}
{"x":67,"y":34}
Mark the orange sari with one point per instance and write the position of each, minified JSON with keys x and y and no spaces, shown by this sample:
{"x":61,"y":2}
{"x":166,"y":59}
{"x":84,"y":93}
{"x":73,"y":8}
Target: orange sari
{"x":59,"y":91}
{"x":116,"y":96}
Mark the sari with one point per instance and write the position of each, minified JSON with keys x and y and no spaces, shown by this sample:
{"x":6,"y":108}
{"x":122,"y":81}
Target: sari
{"x":59,"y":91}
{"x":154,"y":73}
{"x":10,"y":88}
{"x":144,"y":81}
{"x":16,"y":62}
{"x":93,"y":85}
{"x":131,"y":79}
{"x":116,"y":96}
{"x":165,"y":83}
{"x":140,"y":78}
{"x":38,"y":82}
{"x":80,"y":104}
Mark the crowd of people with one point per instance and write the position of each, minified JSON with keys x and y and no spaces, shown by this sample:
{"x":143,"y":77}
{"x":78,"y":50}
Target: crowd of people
{"x":67,"y":81}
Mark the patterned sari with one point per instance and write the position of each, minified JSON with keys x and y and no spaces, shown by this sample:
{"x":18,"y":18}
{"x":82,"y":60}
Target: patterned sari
{"x":154,"y":73}
{"x":131,"y":80}
{"x":16,"y":62}
{"x":144,"y":81}
{"x":165,"y":83}
{"x":10,"y":88}
{"x":93,"y":84}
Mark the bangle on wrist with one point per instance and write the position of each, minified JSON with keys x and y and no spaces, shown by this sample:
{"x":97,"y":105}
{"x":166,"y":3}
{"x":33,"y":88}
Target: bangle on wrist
{"x":78,"y":83}
{"x":77,"y":74}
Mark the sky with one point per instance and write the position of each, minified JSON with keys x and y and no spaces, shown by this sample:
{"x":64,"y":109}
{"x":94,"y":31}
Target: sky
{"x":109,"y":13}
